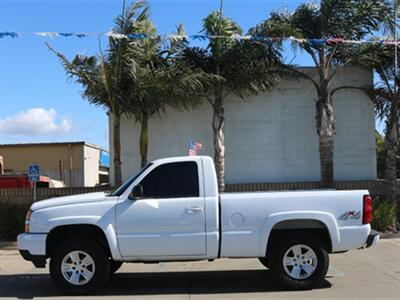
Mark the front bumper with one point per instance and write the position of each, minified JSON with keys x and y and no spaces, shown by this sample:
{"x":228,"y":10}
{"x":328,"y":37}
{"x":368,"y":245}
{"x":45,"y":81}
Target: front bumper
{"x":373,"y":239}
{"x":32,"y":247}
{"x":39,"y":261}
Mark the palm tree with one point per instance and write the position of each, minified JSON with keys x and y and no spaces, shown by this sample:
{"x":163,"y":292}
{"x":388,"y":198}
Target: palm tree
{"x":386,"y":95}
{"x":347,"y":19}
{"x":160,"y":79}
{"x":106,"y":78}
{"x":241,"y":67}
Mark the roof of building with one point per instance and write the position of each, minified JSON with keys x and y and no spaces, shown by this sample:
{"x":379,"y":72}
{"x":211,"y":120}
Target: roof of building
{"x":54,"y":144}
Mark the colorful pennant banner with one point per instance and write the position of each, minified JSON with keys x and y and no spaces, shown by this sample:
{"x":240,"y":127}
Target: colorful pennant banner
{"x":202,"y":37}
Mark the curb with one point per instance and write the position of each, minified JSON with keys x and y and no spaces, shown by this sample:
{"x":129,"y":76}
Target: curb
{"x":8,"y":246}
{"x":390,"y":235}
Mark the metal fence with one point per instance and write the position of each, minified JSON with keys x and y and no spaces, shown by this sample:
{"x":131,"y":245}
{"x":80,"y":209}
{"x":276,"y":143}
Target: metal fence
{"x":23,"y":196}
{"x":375,"y":187}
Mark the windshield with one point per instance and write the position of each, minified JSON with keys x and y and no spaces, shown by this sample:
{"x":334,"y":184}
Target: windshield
{"x":119,"y":191}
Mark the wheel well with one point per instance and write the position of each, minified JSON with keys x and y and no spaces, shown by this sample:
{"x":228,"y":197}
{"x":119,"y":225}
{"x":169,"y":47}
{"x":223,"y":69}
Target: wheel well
{"x":61,"y":233}
{"x":301,"y":226}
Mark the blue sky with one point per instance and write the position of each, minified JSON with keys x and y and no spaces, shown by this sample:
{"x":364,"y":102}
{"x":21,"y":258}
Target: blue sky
{"x":38,"y":103}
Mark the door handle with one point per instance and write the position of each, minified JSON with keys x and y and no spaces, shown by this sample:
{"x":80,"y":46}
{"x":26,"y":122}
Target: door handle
{"x":194,"y":209}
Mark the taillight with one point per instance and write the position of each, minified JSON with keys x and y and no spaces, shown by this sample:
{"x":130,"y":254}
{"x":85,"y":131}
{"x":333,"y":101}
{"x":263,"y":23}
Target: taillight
{"x":367,"y":209}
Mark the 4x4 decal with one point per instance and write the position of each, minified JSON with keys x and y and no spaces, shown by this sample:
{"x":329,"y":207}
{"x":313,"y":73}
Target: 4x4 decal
{"x":350,"y":215}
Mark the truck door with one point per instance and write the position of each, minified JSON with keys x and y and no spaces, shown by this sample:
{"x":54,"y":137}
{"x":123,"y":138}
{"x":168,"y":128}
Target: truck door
{"x":169,"y":220}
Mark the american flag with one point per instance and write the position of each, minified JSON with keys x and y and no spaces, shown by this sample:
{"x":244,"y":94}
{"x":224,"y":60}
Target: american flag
{"x":194,"y":148}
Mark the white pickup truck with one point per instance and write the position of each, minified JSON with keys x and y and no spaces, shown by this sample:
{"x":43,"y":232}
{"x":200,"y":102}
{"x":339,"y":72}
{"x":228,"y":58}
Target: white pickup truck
{"x":172,"y":211}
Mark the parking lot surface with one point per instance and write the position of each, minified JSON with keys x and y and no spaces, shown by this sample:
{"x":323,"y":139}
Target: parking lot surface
{"x":372,"y":273}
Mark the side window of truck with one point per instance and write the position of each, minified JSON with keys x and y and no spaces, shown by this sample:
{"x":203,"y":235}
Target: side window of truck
{"x":173,"y":180}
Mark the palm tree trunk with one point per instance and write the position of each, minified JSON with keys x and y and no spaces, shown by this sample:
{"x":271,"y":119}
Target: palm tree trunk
{"x":116,"y":117}
{"x":391,"y":141}
{"x":219,"y":139}
{"x":325,"y":129}
{"x":144,"y":141}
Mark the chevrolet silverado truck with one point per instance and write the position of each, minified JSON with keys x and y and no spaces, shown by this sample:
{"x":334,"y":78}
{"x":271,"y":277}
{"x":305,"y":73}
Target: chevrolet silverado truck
{"x":172,"y":211}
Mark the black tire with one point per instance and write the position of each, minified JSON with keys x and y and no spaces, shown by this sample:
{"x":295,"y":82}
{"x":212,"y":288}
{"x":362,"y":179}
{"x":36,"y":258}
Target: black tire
{"x":114,"y":266}
{"x":277,"y":255}
{"x":101,"y":265}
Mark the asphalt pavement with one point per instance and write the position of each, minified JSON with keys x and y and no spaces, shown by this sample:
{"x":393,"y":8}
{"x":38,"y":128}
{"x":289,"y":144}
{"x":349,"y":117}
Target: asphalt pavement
{"x":372,"y":273}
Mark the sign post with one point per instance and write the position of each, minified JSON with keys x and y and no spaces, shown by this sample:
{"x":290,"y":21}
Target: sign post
{"x":34,"y":177}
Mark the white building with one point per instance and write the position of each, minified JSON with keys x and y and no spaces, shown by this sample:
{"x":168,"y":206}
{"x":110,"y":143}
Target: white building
{"x":271,"y":137}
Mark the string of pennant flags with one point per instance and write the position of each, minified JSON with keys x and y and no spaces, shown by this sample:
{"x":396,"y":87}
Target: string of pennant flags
{"x":257,"y":38}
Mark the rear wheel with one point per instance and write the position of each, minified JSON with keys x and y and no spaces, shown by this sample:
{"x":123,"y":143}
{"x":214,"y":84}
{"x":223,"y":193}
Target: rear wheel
{"x":79,"y":266}
{"x":299,"y":262}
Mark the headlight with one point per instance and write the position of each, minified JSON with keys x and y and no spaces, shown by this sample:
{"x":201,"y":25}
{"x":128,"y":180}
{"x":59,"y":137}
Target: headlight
{"x":27,"y":220}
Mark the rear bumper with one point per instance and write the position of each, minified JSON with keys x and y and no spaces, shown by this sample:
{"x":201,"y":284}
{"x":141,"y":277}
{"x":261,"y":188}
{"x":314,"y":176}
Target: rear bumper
{"x":373,"y":239}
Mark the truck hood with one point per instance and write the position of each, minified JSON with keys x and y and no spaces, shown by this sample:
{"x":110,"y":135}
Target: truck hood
{"x":68,"y":200}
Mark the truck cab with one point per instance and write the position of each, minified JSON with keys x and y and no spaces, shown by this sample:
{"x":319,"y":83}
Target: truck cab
{"x":173,"y":204}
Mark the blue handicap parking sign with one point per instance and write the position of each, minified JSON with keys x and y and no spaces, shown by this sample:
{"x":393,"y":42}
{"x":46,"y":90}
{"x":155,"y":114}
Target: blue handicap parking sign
{"x":34,"y":173}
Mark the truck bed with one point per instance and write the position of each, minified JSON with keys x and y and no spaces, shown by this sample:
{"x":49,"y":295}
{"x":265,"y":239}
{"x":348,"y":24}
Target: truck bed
{"x":247,"y":217}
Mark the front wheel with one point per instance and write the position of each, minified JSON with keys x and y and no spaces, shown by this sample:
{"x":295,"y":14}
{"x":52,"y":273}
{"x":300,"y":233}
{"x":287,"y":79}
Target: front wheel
{"x":79,"y":266}
{"x":299,"y":262}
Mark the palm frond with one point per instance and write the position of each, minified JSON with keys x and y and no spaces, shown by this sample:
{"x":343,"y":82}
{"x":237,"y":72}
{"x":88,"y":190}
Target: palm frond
{"x":87,"y":71}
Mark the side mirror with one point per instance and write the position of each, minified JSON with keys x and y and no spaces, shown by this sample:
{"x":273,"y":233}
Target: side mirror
{"x":137,"y":192}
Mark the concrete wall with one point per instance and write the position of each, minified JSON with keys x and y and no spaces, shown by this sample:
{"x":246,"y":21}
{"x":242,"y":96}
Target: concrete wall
{"x":271,"y":137}
{"x":91,"y":163}
{"x":111,"y":147}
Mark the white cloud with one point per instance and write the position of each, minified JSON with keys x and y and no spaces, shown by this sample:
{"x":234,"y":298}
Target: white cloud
{"x":35,"y":121}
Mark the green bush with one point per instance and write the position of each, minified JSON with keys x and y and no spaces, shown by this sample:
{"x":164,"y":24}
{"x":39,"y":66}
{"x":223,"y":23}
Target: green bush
{"x":12,"y":220}
{"x":384,"y":213}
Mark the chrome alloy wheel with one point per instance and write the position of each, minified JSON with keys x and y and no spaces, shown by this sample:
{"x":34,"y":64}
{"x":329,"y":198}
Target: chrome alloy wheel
{"x":300,"y":262}
{"x":77,"y":267}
